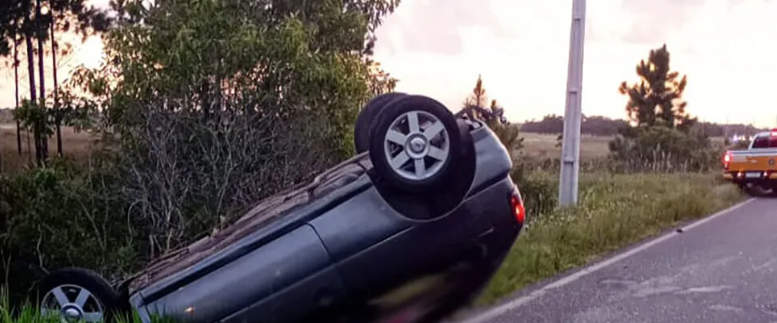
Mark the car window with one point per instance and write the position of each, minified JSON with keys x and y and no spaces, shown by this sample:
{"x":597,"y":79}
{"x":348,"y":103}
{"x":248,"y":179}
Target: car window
{"x":764,"y":142}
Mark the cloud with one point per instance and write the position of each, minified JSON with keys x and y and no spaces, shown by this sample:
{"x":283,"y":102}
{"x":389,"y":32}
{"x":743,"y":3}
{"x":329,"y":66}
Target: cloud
{"x":654,"y":20}
{"x":436,"y":26}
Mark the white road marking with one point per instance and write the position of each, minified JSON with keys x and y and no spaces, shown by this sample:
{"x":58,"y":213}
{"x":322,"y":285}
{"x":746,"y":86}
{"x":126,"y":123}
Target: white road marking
{"x":497,"y":311}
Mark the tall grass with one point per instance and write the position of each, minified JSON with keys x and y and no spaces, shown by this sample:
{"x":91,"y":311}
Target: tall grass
{"x":28,"y":313}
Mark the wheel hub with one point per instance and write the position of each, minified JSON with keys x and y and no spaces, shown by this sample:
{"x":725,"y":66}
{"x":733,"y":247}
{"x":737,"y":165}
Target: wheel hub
{"x":72,"y":313}
{"x":416,"y":146}
{"x":72,"y":303}
{"x":424,"y":143}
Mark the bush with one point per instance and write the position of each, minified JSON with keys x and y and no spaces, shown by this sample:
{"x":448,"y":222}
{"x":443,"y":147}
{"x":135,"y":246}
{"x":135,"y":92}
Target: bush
{"x":539,"y":191}
{"x":663,"y":149}
{"x":59,"y":216}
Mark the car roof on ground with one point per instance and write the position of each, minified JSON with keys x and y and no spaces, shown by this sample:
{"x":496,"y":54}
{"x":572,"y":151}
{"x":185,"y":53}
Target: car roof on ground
{"x":265,"y":211}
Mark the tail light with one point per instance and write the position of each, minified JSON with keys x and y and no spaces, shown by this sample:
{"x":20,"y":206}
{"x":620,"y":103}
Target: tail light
{"x":774,"y":132}
{"x":726,"y":160}
{"x":516,"y":204}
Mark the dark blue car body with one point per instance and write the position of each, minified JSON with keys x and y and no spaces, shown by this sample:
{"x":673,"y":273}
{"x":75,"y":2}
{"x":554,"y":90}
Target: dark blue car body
{"x":331,"y":249}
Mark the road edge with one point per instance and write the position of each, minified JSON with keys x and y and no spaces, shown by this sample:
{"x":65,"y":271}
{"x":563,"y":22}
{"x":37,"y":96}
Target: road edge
{"x":501,"y":309}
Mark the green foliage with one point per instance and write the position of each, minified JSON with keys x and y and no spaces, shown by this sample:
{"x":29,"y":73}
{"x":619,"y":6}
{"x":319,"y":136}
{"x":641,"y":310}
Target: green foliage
{"x":493,"y":116}
{"x":661,"y":148}
{"x":28,"y":313}
{"x":478,"y":98}
{"x":657,"y":98}
{"x":203,"y":109}
{"x":41,"y":121}
{"x":589,"y":125}
{"x":663,"y":136}
{"x":34,"y":117}
{"x":509,"y":135}
{"x":539,"y":191}
{"x":57,"y":216}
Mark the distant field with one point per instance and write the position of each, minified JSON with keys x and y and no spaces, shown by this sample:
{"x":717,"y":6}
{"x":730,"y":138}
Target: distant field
{"x":544,"y":146}
{"x":76,"y":144}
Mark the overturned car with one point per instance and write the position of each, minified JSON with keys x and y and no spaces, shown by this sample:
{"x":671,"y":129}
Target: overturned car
{"x":408,"y":230}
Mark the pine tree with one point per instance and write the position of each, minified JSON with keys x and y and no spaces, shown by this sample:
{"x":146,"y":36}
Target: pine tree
{"x":657,"y":99}
{"x":475,"y":103}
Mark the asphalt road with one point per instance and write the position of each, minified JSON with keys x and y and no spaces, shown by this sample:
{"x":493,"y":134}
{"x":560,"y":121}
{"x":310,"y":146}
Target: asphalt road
{"x":719,"y":269}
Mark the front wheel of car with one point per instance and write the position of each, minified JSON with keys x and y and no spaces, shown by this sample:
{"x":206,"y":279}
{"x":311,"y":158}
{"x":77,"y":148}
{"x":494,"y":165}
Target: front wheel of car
{"x":77,"y":295}
{"x":413,"y":144}
{"x":423,"y":155}
{"x":361,"y":130}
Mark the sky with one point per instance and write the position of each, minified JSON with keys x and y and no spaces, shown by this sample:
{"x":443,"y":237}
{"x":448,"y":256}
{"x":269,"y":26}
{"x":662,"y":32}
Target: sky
{"x":521,"y":47}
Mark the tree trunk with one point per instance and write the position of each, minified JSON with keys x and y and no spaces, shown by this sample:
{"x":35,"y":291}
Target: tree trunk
{"x":33,"y":89}
{"x":56,"y":95}
{"x":44,"y":144}
{"x":16,"y":83}
{"x":28,"y":34}
{"x":31,"y":67}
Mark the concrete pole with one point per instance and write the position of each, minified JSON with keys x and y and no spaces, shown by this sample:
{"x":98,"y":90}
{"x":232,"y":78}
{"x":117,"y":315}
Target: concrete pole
{"x":570,"y":148}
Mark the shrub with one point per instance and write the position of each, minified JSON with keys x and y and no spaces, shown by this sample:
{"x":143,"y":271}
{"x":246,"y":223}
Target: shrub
{"x":539,"y":191}
{"x":663,"y":149}
{"x":59,"y":216}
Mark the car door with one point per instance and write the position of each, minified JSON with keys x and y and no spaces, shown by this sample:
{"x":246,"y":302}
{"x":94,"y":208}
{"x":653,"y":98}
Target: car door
{"x":280,"y":281}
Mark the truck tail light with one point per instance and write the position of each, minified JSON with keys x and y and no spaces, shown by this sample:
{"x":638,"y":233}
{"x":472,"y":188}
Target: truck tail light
{"x":516,"y":204}
{"x":726,"y":160}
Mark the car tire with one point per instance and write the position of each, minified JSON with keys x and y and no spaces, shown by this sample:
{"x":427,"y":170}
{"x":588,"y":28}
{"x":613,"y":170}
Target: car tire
{"x":429,"y":199}
{"x":361,"y":130}
{"x":79,"y":293}
{"x":420,"y":133}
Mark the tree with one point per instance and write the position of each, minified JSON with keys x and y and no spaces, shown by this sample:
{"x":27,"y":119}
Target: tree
{"x":380,"y":81}
{"x":475,"y":103}
{"x":493,"y":116}
{"x":657,"y":98}
{"x":35,"y":21}
{"x":214,"y":105}
{"x":663,"y":136}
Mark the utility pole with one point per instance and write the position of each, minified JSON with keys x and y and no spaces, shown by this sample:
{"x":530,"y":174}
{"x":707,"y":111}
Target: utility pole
{"x":570,"y":148}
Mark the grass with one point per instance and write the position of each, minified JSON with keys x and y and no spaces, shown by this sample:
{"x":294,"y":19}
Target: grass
{"x":31,"y":314}
{"x":614,"y":211}
{"x":74,"y":144}
{"x":544,"y":146}
{"x":591,"y":147}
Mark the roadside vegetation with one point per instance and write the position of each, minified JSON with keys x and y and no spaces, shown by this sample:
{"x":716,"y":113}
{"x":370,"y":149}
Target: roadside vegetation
{"x":198,"y":101}
{"x":28,"y":313}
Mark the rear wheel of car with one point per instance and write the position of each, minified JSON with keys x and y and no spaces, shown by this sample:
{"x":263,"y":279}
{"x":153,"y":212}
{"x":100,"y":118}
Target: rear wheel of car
{"x":361,"y":130}
{"x":77,"y":295}
{"x":419,"y":150}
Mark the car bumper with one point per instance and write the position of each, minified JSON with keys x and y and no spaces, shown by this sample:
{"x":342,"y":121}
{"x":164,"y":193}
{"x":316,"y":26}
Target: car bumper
{"x":763,"y":178}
